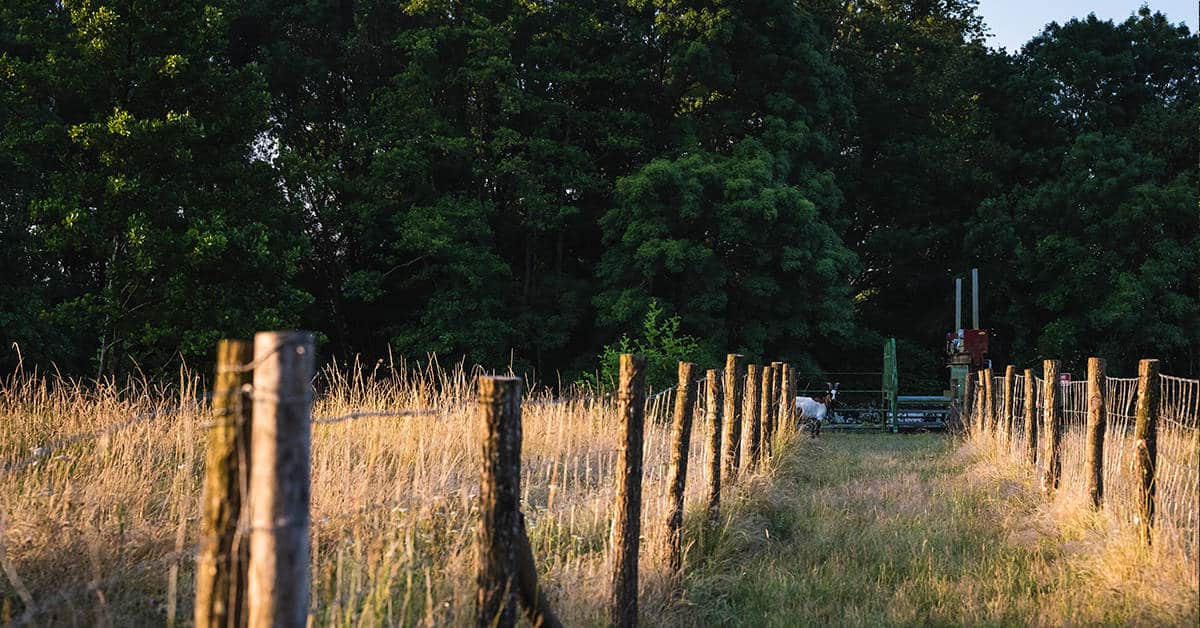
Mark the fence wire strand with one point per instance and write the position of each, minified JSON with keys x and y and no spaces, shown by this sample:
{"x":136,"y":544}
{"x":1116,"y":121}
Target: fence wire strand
{"x":42,"y":451}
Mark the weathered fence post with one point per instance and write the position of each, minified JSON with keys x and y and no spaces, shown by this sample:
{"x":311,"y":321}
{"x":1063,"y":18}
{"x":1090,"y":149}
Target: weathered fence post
{"x":966,"y":412}
{"x":223,"y":558}
{"x":981,"y":405}
{"x":1097,"y":421}
{"x":981,"y":401}
{"x":1031,"y":430}
{"x":1007,"y":404}
{"x":278,"y":580}
{"x":1052,"y":421}
{"x":735,"y":372}
{"x":631,"y":394}
{"x":681,"y":431}
{"x":764,"y":414}
{"x":776,"y":386}
{"x":753,"y":429}
{"x":712,"y":408}
{"x":497,"y":538}
{"x":788,"y":398}
{"x":989,"y":402}
{"x":1145,"y":443}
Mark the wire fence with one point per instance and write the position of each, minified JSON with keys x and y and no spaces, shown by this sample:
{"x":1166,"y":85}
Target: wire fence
{"x":135,"y":570}
{"x":195,"y":417}
{"x":1177,"y":472}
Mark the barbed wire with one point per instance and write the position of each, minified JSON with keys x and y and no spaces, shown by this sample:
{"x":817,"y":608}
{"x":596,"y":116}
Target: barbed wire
{"x":253,"y":364}
{"x":367,"y":414}
{"x":45,"y":449}
{"x":564,"y":400}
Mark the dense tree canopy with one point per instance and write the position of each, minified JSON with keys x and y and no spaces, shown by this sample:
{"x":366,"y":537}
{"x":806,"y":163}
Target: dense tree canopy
{"x":526,"y":181}
{"x":1093,"y":235}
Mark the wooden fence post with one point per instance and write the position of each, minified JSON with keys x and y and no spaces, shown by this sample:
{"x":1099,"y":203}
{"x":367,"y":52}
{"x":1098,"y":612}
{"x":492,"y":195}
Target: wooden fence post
{"x":1052,"y":421}
{"x":1145,"y":443}
{"x":498,"y":533}
{"x":1031,"y":430}
{"x":981,"y":401}
{"x":753,"y":429}
{"x":966,"y":412}
{"x":631,"y":397}
{"x":981,"y":405}
{"x":776,"y":415}
{"x":1007,"y":403}
{"x":989,"y":402}
{"x":735,"y":372}
{"x":712,"y":408}
{"x":764,"y":414}
{"x":1097,"y":422}
{"x":685,"y":404}
{"x":223,"y":558}
{"x":278,"y":580}
{"x":788,"y":398}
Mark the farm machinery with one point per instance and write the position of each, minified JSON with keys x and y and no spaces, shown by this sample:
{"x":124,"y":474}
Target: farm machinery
{"x":872,"y":400}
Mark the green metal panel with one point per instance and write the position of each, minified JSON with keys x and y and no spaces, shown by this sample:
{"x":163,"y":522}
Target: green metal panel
{"x":891,"y":381}
{"x":958,"y":380}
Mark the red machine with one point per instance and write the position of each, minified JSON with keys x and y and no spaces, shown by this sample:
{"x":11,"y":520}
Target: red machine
{"x":968,"y":346}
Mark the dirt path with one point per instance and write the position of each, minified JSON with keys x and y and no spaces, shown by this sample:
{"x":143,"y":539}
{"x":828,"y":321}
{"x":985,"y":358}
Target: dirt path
{"x":874,"y":529}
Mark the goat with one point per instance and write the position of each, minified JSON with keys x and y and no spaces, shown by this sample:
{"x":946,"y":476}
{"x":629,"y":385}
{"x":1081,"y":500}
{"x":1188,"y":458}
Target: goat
{"x":815,"y":408}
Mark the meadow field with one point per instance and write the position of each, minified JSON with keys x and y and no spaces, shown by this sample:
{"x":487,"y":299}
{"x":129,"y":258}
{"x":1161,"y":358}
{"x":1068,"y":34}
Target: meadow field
{"x":100,"y":494}
{"x":101,"y":486}
{"x":925,"y":529}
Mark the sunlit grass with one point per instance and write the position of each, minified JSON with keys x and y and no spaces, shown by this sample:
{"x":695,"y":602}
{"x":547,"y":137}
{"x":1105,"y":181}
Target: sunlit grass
{"x":393,"y":499}
{"x":879,"y":529}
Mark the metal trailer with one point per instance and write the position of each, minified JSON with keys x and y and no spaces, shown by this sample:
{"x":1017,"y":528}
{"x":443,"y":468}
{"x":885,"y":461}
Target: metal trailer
{"x":870,"y":400}
{"x":864,"y":407}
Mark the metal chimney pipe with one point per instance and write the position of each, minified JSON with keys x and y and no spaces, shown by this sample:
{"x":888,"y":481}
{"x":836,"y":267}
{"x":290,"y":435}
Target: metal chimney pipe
{"x":975,"y":298}
{"x":957,"y":304}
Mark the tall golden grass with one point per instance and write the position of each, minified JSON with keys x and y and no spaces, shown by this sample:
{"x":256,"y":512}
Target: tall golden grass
{"x":101,"y":530}
{"x":1106,"y":541}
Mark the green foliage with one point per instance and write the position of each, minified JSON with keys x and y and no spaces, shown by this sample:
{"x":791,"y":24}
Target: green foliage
{"x":129,"y":203}
{"x":731,"y":227}
{"x":663,"y":346}
{"x":1100,"y":253}
{"x":723,"y":239}
{"x":520,"y":181}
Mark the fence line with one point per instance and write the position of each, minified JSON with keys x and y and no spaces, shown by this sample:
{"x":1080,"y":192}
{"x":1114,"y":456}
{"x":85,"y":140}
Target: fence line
{"x":1176,"y":463}
{"x":705,"y":414}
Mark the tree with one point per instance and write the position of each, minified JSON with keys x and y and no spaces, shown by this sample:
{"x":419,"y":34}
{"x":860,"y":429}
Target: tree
{"x":728,"y":228}
{"x":147,"y":228}
{"x":452,"y":160}
{"x":1095,"y":246}
{"x":913,"y":162}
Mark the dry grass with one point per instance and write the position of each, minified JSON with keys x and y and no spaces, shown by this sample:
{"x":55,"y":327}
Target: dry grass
{"x":846,"y":530}
{"x":87,"y":524}
{"x":872,"y":529}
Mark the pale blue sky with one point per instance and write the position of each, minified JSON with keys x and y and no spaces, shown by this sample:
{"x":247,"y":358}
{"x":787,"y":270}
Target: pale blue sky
{"x":1014,"y":22}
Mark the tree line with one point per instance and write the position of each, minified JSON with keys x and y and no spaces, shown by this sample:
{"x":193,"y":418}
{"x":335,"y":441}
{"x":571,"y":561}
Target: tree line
{"x":523,"y":181}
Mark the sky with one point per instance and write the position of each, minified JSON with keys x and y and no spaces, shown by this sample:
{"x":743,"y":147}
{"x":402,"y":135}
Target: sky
{"x":1014,"y":22}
